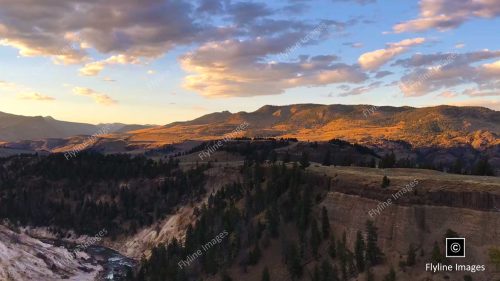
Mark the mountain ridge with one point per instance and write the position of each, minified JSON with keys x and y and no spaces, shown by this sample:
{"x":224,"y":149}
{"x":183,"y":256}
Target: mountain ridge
{"x":440,"y":125}
{"x":19,"y":127}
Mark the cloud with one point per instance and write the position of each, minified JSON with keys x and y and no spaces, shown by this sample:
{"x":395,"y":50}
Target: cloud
{"x":8,"y":86}
{"x":94,"y":68}
{"x":64,"y":30}
{"x":420,"y":60}
{"x":374,"y":59}
{"x":239,"y":68}
{"x":382,"y":74}
{"x":210,"y":6}
{"x":492,"y":68}
{"x":244,"y":13}
{"x":448,"y":14}
{"x":353,"y":44}
{"x":98,"y":98}
{"x":488,"y":103}
{"x":475,"y":92}
{"x":461,"y":70}
{"x":448,"y":94}
{"x":361,"y":90}
{"x":361,"y":2}
{"x":35,"y":97}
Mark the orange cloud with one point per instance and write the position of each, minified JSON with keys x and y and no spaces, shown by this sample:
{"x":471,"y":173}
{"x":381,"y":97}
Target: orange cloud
{"x":98,"y":97}
{"x":35,"y":97}
{"x":447,"y":14}
{"x":375,"y":59}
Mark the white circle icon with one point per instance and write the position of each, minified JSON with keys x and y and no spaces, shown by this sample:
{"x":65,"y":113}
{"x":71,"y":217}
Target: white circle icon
{"x":455,"y":247}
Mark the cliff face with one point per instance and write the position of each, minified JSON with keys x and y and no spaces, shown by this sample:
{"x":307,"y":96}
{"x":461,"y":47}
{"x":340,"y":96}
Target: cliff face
{"x":422,"y":225}
{"x":429,"y":203}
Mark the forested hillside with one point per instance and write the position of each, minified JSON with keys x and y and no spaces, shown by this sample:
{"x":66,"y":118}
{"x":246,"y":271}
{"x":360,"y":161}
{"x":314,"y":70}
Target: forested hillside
{"x":92,"y":192}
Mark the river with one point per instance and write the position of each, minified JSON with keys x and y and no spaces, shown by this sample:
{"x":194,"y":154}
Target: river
{"x":115,"y":265}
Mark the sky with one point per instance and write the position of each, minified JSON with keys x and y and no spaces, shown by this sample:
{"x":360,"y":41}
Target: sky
{"x":160,"y":61}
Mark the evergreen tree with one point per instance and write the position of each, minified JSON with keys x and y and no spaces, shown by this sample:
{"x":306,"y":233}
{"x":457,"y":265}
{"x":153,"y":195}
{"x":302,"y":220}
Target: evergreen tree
{"x":391,"y":276}
{"x":436,"y":256}
{"x":450,"y":234}
{"x":226,"y":277}
{"x":410,"y":259}
{"x":315,"y":238}
{"x":325,"y":223}
{"x":304,"y":160}
{"x":359,"y":252}
{"x":316,"y":274}
{"x":468,"y":278}
{"x":273,"y":220}
{"x":369,"y":275}
{"x":342,"y":252}
{"x":388,"y":160}
{"x":254,"y":255}
{"x":286,"y":157}
{"x":332,"y":249}
{"x":327,"y":273}
{"x":373,"y":253}
{"x":273,"y":156}
{"x":293,"y":261}
{"x":482,"y":168}
{"x":351,"y":266}
{"x":265,"y":274}
{"x":326,"y":160}
{"x":494,"y":254}
{"x":385,"y":182}
{"x":457,"y":166}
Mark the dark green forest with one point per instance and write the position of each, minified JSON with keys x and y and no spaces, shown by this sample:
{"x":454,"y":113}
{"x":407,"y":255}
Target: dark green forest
{"x":91,"y":192}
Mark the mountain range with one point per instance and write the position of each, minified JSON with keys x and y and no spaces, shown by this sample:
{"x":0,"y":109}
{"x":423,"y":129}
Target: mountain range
{"x":18,"y":127}
{"x":430,"y":126}
{"x":440,"y":126}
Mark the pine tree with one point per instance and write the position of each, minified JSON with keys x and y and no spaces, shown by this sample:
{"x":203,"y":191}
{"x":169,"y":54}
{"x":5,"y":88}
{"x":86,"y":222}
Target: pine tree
{"x":273,"y":156}
{"x":286,"y":157}
{"x":316,"y":274}
{"x":385,"y":182}
{"x":410,"y":259}
{"x":326,"y":160}
{"x":226,"y":277}
{"x":494,"y":254}
{"x":391,"y":276}
{"x":293,"y":261}
{"x":359,"y":252}
{"x":369,"y":275}
{"x":332,"y":249}
{"x":342,"y":252}
{"x":273,"y":220}
{"x":457,"y":166}
{"x":373,"y":253}
{"x":304,"y":160}
{"x":255,"y":254}
{"x":468,"y":278}
{"x":482,"y":168}
{"x":388,"y":160}
{"x":315,"y":238}
{"x":265,"y":274}
{"x":325,"y":222}
{"x":436,"y":256}
{"x":327,"y":273}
